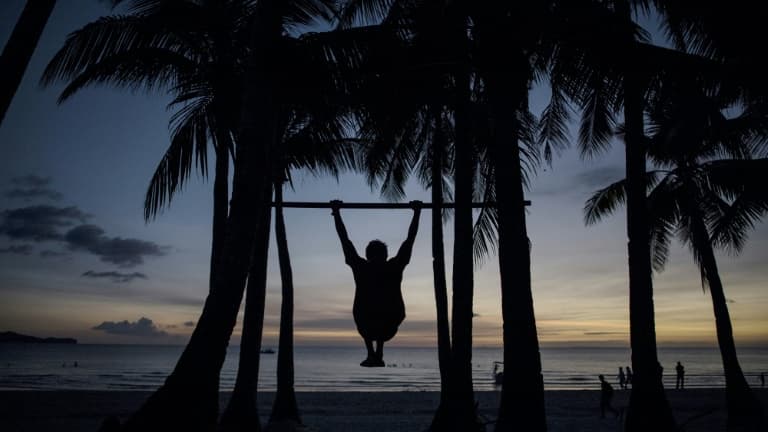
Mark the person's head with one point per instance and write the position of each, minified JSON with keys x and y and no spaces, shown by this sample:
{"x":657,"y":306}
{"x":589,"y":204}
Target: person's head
{"x":376,"y":251}
{"x":602,"y":378}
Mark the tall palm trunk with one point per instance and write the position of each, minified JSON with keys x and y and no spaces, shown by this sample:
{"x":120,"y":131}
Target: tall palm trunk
{"x":522,"y":393}
{"x":285,"y":407}
{"x":744,"y":410}
{"x":438,"y":272}
{"x":19,"y":48}
{"x":462,"y":397}
{"x":189,"y":398}
{"x":242,"y":413}
{"x":648,"y":405}
{"x":220,"y":203}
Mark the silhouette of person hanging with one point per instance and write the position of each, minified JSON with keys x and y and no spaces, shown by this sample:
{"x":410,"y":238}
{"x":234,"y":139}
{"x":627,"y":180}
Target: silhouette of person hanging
{"x":378,"y":306}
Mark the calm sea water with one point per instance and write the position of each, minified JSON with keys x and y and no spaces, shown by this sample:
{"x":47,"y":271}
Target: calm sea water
{"x":143,"y":367}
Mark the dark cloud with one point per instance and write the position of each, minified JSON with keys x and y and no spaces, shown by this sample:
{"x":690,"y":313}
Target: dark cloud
{"x":32,"y":186}
{"x":116,"y":277}
{"x":189,"y":324}
{"x":125,"y":252}
{"x":39,"y":223}
{"x":143,"y":327}
{"x":52,"y":254}
{"x":17,"y":249}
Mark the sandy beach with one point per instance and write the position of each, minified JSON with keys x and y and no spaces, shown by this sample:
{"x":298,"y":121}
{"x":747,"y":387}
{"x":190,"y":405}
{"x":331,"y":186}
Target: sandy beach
{"x":699,"y":409}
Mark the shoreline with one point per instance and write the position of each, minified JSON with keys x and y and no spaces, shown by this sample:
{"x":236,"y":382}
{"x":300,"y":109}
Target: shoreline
{"x":84,"y":410}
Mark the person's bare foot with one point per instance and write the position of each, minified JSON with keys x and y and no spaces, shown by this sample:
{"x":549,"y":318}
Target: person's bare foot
{"x":368,"y":362}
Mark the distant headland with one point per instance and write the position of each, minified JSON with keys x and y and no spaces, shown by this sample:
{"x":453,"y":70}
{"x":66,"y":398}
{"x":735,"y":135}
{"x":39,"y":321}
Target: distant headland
{"x":11,"y":337}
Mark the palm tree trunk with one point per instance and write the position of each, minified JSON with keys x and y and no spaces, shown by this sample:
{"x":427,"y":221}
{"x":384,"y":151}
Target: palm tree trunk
{"x":285,"y":407}
{"x":744,"y":410}
{"x":20,"y":47}
{"x":462,"y":397}
{"x":522,"y":393}
{"x":189,"y":398}
{"x":220,"y":203}
{"x":648,"y":406}
{"x":242,"y":413}
{"x":438,"y":272}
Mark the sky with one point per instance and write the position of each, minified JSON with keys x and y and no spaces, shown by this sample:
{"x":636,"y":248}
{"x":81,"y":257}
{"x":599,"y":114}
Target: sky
{"x":78,"y":260}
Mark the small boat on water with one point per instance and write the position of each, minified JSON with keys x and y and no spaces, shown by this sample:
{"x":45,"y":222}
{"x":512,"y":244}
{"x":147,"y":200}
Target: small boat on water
{"x":267,"y":351}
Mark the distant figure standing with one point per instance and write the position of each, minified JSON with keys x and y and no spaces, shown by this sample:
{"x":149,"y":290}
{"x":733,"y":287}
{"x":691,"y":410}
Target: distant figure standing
{"x":762,"y":379}
{"x":606,"y":395}
{"x":629,"y":376}
{"x":622,"y":379}
{"x":378,"y":306}
{"x":680,"y":382}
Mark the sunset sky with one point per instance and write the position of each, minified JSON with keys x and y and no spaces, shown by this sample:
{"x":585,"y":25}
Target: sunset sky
{"x":77,"y":259}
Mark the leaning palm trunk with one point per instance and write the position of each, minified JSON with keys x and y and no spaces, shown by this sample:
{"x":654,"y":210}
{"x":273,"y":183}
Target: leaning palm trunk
{"x":241,"y":413}
{"x":285,"y":408}
{"x":438,"y":272}
{"x":744,"y":410}
{"x":189,"y":398}
{"x":648,"y":406}
{"x":522,"y":393}
{"x":19,"y":48}
{"x":220,"y":203}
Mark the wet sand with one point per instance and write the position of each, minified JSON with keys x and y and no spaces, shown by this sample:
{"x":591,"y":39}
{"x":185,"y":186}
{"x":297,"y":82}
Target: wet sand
{"x":701,"y":409}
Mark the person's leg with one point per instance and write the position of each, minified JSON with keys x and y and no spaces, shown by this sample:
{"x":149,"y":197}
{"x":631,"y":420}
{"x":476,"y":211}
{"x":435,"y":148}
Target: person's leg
{"x":368,"y":362}
{"x":379,"y":355}
{"x":602,"y":407}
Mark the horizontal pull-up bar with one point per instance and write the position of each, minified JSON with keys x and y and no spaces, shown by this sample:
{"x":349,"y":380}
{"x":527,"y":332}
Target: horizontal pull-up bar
{"x":371,"y":205}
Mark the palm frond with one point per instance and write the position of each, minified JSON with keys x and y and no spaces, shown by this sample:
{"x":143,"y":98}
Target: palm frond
{"x":189,"y":147}
{"x":605,"y":201}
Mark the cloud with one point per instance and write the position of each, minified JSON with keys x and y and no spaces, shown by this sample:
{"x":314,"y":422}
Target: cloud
{"x":39,"y":223}
{"x":143,"y":327}
{"x":48,"y":223}
{"x":32,"y":186}
{"x":116,"y":277}
{"x":124,"y":252}
{"x":52,"y":254}
{"x":17,"y":250}
{"x":189,"y":324}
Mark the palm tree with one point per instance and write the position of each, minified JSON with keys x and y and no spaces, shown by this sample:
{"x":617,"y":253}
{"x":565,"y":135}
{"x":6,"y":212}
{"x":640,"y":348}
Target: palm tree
{"x":690,"y":197}
{"x":19,"y":48}
{"x":410,"y":130}
{"x":198,"y":59}
{"x":312,"y":135}
{"x":154,"y":30}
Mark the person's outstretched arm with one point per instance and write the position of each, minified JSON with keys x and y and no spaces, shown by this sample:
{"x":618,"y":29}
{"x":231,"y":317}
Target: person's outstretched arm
{"x":350,"y":254}
{"x":404,"y":254}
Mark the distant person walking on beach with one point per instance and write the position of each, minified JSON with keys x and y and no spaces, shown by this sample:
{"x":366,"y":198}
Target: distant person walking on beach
{"x":629,"y":376}
{"x":762,"y":379}
{"x":606,"y":395}
{"x":680,"y":382}
{"x":378,"y":306}
{"x":622,"y":379}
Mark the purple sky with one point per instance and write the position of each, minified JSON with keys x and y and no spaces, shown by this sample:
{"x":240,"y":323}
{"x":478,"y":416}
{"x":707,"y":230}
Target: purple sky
{"x":77,"y":259}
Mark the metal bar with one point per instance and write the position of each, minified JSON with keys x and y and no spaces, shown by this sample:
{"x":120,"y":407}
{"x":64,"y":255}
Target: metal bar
{"x":377,"y":205}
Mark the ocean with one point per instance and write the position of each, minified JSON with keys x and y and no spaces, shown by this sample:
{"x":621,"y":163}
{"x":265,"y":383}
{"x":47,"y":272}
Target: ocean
{"x":144,"y":367}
